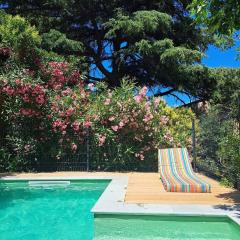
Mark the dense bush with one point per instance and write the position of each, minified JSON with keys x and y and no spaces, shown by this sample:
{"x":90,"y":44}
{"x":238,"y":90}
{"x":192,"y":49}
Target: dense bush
{"x":219,"y":141}
{"x":17,"y":38}
{"x":48,"y":114}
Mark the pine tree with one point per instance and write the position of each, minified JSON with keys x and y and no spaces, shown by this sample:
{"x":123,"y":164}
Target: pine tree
{"x":152,"y":42}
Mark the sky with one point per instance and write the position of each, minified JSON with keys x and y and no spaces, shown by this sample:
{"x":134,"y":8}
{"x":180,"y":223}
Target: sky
{"x":217,"y":58}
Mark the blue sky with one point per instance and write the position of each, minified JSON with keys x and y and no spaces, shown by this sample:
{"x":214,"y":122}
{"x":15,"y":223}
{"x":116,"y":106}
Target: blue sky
{"x":217,"y":58}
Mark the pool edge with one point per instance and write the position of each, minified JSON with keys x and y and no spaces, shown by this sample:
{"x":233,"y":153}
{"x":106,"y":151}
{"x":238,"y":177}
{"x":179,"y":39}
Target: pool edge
{"x":112,"y":201}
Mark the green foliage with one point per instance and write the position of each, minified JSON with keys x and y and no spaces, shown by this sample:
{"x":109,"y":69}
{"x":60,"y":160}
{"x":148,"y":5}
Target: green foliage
{"x":221,"y":18}
{"x":180,"y":55}
{"x":58,"y":42}
{"x":139,"y":25}
{"x":229,"y":151}
{"x":16,"y":32}
{"x":228,"y":86}
{"x":219,"y":129}
{"x":219,"y":142}
{"x":151,"y":42}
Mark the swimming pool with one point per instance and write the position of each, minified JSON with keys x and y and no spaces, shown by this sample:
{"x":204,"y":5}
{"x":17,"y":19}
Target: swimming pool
{"x":48,"y":211}
{"x":145,"y":227}
{"x":61,"y":210}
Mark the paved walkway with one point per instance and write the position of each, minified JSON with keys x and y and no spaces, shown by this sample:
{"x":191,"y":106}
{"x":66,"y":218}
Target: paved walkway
{"x":147,"y":188}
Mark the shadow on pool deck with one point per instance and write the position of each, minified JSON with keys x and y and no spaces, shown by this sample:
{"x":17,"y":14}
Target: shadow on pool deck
{"x":231,"y":208}
{"x":7,"y":175}
{"x":233,"y":196}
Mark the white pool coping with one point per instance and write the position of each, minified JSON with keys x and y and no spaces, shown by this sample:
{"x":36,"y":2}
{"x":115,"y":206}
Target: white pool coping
{"x":112,"y":201}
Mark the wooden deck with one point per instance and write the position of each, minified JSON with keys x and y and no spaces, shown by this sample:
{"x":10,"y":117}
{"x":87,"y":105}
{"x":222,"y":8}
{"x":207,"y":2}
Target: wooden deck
{"x":147,"y":188}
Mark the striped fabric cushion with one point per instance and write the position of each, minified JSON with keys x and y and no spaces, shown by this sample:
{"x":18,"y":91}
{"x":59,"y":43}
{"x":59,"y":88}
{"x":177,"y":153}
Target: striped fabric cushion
{"x":177,"y":174}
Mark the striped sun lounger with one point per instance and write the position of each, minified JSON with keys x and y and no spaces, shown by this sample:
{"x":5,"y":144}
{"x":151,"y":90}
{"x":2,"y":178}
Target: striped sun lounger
{"x":176,"y":172}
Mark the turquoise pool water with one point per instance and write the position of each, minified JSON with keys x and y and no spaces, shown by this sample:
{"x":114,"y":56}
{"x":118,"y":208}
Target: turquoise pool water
{"x":129,"y":227}
{"x":50,"y":212}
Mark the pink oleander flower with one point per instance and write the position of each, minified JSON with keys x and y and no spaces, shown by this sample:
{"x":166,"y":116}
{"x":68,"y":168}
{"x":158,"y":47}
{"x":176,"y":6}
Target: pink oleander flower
{"x":54,"y":64}
{"x":76,"y":126}
{"x":57,"y":123}
{"x":70,"y":111}
{"x":25,"y":112}
{"x":74,"y":147}
{"x":57,"y":86}
{"x":148,"y":117}
{"x":83,"y":94}
{"x":57,"y":72}
{"x":141,"y":156}
{"x":121,"y":124}
{"x":147,"y":106}
{"x":57,"y":98}
{"x":101,"y":140}
{"x":168,"y":137}
{"x":61,"y":114}
{"x":115,"y":128}
{"x":138,"y":98}
{"x":87,"y":124}
{"x":143,"y":91}
{"x":9,"y":90}
{"x":111,"y":119}
{"x":18,"y":81}
{"x":91,"y":86}
{"x":38,"y":89}
{"x":67,"y":92}
{"x":156,"y":102}
{"x":39,"y":100}
{"x":164,"y":119}
{"x":107,"y":101}
{"x":74,"y":78}
{"x":63,"y":127}
{"x":26,"y":98}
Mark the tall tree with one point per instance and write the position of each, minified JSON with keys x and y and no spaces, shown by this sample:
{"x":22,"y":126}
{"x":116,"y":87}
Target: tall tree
{"x":153,"y":42}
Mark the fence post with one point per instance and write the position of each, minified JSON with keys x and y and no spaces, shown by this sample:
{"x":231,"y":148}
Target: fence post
{"x":87,"y":150}
{"x":194,"y":144}
{"x":238,"y":113}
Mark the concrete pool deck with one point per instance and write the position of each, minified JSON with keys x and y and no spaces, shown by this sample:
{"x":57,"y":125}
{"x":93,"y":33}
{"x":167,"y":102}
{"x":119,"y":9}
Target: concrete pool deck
{"x":143,"y":193}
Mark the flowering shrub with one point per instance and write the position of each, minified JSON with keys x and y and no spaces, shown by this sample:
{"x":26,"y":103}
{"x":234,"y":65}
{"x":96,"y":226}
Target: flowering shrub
{"x":124,"y":126}
{"x":134,"y":126}
{"x":53,"y":111}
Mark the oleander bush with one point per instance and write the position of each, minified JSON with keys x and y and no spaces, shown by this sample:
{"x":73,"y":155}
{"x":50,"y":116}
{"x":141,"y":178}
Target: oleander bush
{"x":49,"y":113}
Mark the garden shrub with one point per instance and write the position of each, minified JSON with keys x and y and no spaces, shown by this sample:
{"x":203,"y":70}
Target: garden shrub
{"x":51,"y":112}
{"x":18,"y":38}
{"x":219,"y":141}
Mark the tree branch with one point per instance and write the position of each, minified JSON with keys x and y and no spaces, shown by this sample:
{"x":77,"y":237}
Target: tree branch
{"x":98,"y":61}
{"x":164,"y":93}
{"x":178,"y":98}
{"x":191,"y":103}
{"x":94,"y":78}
